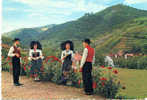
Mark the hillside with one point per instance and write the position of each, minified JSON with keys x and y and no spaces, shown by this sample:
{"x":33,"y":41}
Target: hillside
{"x":130,"y":37}
{"x":28,"y":34}
{"x":111,"y":29}
{"x":6,"y":40}
{"x":91,"y":25}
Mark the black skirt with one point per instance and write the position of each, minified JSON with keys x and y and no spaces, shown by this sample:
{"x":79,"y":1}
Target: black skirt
{"x":36,"y":65}
{"x":67,"y":63}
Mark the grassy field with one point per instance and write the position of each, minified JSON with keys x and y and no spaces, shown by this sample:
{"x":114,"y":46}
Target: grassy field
{"x":135,"y":82}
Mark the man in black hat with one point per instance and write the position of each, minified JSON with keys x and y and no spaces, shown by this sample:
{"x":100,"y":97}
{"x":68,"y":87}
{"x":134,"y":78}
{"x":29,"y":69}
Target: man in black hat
{"x":88,"y":59}
{"x":14,"y":52}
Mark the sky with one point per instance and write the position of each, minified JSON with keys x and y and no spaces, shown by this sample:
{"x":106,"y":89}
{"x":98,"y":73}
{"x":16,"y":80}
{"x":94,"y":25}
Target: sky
{"x":33,"y":13}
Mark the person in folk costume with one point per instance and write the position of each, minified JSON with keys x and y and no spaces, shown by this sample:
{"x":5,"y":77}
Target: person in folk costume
{"x":109,"y":61}
{"x":87,"y":60}
{"x":35,"y":55}
{"x":66,"y":58}
{"x":15,"y":53}
{"x":77,"y":58}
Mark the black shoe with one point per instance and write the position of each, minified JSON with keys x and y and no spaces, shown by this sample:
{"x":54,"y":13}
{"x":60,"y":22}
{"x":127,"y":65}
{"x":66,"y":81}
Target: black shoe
{"x":20,"y":84}
{"x":89,"y":93}
{"x":37,"y":80}
{"x":16,"y":84}
{"x":61,"y":82}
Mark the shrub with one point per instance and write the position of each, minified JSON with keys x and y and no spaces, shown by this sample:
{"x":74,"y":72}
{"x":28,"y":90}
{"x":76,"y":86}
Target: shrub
{"x":99,"y":58}
{"x":104,"y":78}
{"x":132,"y":62}
{"x":142,"y":63}
{"x":108,"y":85}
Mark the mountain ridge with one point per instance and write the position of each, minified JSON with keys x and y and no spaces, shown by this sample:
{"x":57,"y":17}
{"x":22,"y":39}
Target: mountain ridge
{"x":91,"y":25}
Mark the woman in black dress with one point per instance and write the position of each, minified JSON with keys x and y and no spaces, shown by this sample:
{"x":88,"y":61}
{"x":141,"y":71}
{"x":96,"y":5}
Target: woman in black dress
{"x":66,"y":57}
{"x":35,"y":56}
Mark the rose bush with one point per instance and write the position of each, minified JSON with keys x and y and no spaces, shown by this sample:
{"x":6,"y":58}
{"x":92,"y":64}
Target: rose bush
{"x":105,"y":80}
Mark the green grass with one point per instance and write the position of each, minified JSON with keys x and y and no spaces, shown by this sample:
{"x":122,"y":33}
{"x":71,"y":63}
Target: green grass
{"x":135,"y":82}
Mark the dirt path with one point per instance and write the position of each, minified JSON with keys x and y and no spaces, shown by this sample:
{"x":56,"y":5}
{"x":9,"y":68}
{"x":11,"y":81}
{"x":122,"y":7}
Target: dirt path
{"x":40,"y":90}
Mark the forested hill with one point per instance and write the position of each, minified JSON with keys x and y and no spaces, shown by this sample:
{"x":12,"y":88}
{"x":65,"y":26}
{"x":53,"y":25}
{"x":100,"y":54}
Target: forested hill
{"x":114,"y":23}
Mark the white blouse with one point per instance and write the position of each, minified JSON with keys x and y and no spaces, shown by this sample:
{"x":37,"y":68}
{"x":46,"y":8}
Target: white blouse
{"x":10,"y":53}
{"x":65,"y":53}
{"x":31,"y":54}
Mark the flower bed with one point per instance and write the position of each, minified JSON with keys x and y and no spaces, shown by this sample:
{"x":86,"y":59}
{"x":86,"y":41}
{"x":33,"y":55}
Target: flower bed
{"x":105,"y":81}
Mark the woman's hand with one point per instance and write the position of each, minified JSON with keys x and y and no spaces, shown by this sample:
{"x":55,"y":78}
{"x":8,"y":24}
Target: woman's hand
{"x":19,"y":48}
{"x":33,"y":58}
{"x":63,"y":58}
{"x":17,"y":55}
{"x":38,"y":57}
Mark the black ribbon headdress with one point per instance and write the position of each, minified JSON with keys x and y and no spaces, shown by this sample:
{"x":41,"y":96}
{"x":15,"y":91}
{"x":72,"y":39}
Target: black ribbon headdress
{"x":63,"y":45}
{"x":39,"y":46}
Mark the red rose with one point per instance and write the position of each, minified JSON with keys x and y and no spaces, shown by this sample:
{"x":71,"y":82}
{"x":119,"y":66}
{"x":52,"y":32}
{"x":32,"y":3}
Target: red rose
{"x":79,"y":82}
{"x":56,"y":59}
{"x":2,"y":57}
{"x":10,"y":63}
{"x":102,"y":66}
{"x":81,"y":70}
{"x":35,"y":75}
{"x":115,"y":71}
{"x":94,"y":85}
{"x":8,"y":58}
{"x":60,"y":61}
{"x":109,"y":67}
{"x":24,"y":68}
{"x":103,"y":84}
{"x":52,"y":60}
{"x":103,"y":79}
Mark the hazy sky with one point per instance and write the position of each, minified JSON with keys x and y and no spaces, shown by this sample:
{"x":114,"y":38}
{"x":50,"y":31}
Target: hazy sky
{"x":31,"y":13}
